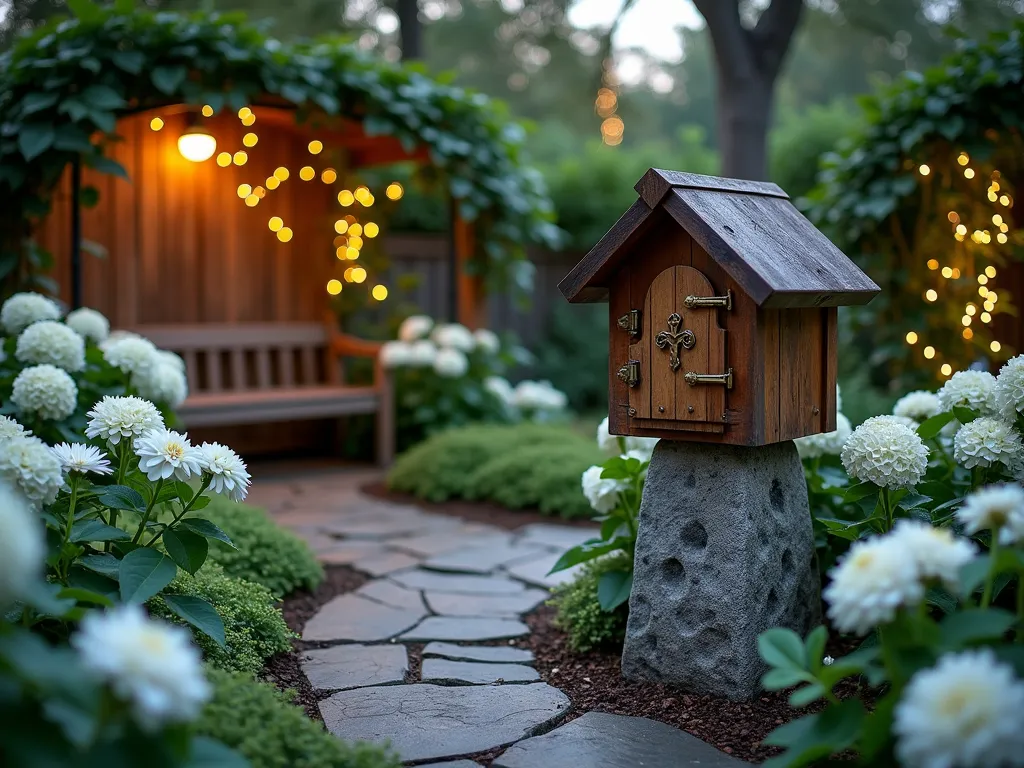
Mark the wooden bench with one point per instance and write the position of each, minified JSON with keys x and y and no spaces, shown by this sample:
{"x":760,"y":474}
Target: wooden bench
{"x":254,"y":373}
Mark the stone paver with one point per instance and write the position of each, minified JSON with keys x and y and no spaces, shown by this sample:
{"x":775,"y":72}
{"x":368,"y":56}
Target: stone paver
{"x":484,"y":559}
{"x":341,"y":552}
{"x":448,"y":604}
{"x":558,"y":537}
{"x":392,"y":594}
{"x":355,"y":666}
{"x":475,"y":672}
{"x":492,"y":653}
{"x":600,"y":740}
{"x":384,"y":563}
{"x":452,"y":764}
{"x":417,"y":578}
{"x":536,"y":571}
{"x":355,"y":618}
{"x":441,"y":543}
{"x":379,"y":528}
{"x":433,"y":722}
{"x":465,"y":628}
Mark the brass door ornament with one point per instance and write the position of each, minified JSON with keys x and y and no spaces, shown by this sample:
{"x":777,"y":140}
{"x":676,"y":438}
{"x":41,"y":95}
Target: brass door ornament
{"x":695,"y":302}
{"x":630,"y":373}
{"x":672,"y":339}
{"x":630,"y":322}
{"x":724,"y":379}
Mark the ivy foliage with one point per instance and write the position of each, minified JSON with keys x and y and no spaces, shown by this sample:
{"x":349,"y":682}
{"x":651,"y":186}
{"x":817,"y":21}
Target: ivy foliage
{"x":63,"y":87}
{"x":923,"y":163}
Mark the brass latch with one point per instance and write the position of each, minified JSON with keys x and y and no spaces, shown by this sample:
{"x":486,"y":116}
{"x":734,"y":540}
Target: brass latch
{"x":695,"y":302}
{"x":630,"y":373}
{"x":630,"y":322}
{"x":709,"y":378}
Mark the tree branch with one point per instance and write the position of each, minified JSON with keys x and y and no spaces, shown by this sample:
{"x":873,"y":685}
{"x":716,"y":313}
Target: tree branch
{"x":772,"y":34}
{"x":730,"y":41}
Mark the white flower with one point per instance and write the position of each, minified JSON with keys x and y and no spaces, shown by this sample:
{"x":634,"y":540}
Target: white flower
{"x":970,"y":389}
{"x":171,"y":359}
{"x":500,"y":388}
{"x":606,"y":441}
{"x":995,"y":507}
{"x":919,"y":406}
{"x":873,"y":580}
{"x":132,"y":354}
{"x":164,"y":453}
{"x":396,"y":354}
{"x":450,"y":363}
{"x":414,"y":327}
{"x":538,"y":396}
{"x":641,"y":446}
{"x":963,"y":713}
{"x":1010,"y":389}
{"x":602,"y":493}
{"x":839,"y":399}
{"x":987,"y":441}
{"x":228,"y":473}
{"x":89,"y":323}
{"x":455,"y":336}
{"x":163,"y":382}
{"x":487,"y":340}
{"x":48,"y":342}
{"x":422,"y":353}
{"x":116,"y":336}
{"x":937,"y":552}
{"x":78,"y":457}
{"x":113,"y":418}
{"x":30,"y":463}
{"x":21,"y":543}
{"x":23,"y":309}
{"x":828,"y":661}
{"x":45,"y":391}
{"x":826,"y":443}
{"x":885,"y":453}
{"x":10,"y":428}
{"x":639,"y":454}
{"x":150,"y":664}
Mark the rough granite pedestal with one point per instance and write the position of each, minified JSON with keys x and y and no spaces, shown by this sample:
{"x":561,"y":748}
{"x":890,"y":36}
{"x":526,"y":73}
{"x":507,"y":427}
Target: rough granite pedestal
{"x":724,"y":552}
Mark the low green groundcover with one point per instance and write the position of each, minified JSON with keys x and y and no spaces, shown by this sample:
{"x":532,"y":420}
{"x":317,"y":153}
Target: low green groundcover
{"x":580,"y":615}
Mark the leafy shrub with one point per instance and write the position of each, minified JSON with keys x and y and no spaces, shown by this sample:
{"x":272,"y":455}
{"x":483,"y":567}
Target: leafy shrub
{"x":587,"y":624}
{"x":266,"y":553}
{"x":261,"y":722}
{"x":254,"y":629}
{"x":574,"y":354}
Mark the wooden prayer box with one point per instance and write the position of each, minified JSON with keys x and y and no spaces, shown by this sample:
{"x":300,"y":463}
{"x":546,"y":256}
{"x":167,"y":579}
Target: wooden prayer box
{"x":722,"y":301}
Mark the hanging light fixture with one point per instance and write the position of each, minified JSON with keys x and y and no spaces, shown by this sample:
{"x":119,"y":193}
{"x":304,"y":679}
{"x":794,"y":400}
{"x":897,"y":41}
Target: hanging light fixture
{"x":196,"y":145}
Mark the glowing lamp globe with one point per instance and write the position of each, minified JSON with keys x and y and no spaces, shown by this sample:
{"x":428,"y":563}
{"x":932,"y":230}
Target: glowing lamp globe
{"x":196,"y":145}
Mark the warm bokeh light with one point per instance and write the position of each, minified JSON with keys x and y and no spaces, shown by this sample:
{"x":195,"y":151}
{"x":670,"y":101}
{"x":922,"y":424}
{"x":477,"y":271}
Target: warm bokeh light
{"x":281,"y":173}
{"x":260,"y":192}
{"x":379,"y":292}
{"x":272,"y":182}
{"x":965,"y":320}
{"x":275,"y":223}
{"x":911,"y":338}
{"x":284,"y":234}
{"x":982,"y":279}
{"x":351,"y":253}
{"x":355,"y":241}
{"x":346,"y":198}
{"x":394,"y":191}
{"x":1004,"y":200}
{"x":224,"y":159}
{"x":968,"y":334}
{"x":240,"y":158}
{"x":946,"y":369}
{"x":355,"y":229}
{"x":316,"y":147}
{"x":990,"y":271}
{"x":306,"y":173}
{"x":947,"y":272}
{"x":244,"y":112}
{"x":370,"y":229}
{"x":250,"y":139}
{"x":207,"y":110}
{"x":968,"y":173}
{"x":196,"y":146}
{"x":986,"y":317}
{"x":252,"y":200}
{"x":341,"y":226}
{"x":929,"y":352}
{"x":995,"y":346}
{"x":933,"y":263}
{"x":156,"y":123}
{"x":931,"y":295}
{"x":964,"y":159}
{"x":971,"y":310}
{"x":334,"y":287}
{"x":243,"y":191}
{"x":1002,"y":238}
{"x":329,"y":176}
{"x":248,"y":121}
{"x":358,"y":274}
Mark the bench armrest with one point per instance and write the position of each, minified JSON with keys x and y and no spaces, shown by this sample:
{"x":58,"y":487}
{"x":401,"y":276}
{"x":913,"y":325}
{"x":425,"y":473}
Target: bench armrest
{"x":344,"y":345}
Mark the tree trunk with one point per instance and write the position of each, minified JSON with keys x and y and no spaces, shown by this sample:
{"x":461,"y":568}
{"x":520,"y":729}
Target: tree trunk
{"x":410,"y":29}
{"x":744,"y":115}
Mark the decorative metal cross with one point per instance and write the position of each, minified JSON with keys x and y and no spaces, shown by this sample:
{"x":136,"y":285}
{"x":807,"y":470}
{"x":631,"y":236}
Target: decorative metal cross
{"x":673,"y":338}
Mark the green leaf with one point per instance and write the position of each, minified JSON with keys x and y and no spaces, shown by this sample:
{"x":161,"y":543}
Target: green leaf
{"x":777,"y":678}
{"x":105,"y":564}
{"x":184,"y":491}
{"x":35,"y":139}
{"x":973,"y":574}
{"x":931,"y":427}
{"x":964,"y":415}
{"x":82,"y":595}
{"x":860,"y":491}
{"x":613,"y":589}
{"x":782,"y":648}
{"x":96,"y":530}
{"x":207,"y":753}
{"x":102,"y":97}
{"x":122,"y":497}
{"x":38,"y":100}
{"x":201,"y":503}
{"x":974,"y":625}
{"x":94,"y":582}
{"x":168,"y":79}
{"x":43,"y":597}
{"x":187,"y":549}
{"x":815,"y":646}
{"x":199,"y":613}
{"x":207,"y":529}
{"x":806,"y":695}
{"x":144,"y":572}
{"x":130,"y":61}
{"x":588,"y":550}
{"x":817,"y":736}
{"x":85,"y":10}
{"x":105,"y":164}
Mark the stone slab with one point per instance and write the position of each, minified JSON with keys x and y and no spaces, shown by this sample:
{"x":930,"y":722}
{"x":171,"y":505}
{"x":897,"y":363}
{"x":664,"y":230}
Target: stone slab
{"x":392,"y":594}
{"x":355,"y":618}
{"x":484,"y":559}
{"x":339,"y":552}
{"x":417,"y":578}
{"x":475,"y":672}
{"x":452,"y":764}
{"x":378,"y":528}
{"x":465,"y":628}
{"x":557,"y":537}
{"x":355,"y":666}
{"x":384,"y":563}
{"x":501,"y":654}
{"x":535,"y":572}
{"x":434,"y":722}
{"x":600,"y":740}
{"x":448,"y":604}
{"x":449,"y":541}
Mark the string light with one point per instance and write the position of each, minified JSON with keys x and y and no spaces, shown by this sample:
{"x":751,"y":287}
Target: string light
{"x":970,"y":309}
{"x":340,"y":252}
{"x":334,"y":287}
{"x":924,"y":170}
{"x":355,"y":241}
{"x":947,"y":272}
{"x":1004,"y":200}
{"x":207,"y":110}
{"x":284,"y":234}
{"x":961,"y":229}
{"x":968,"y":334}
{"x":244,"y":190}
{"x":371,"y":229}
{"x":329,"y":176}
{"x":963,"y":159}
{"x":990,"y":271}
{"x":394,"y":191}
{"x":968,"y":173}
{"x":346,"y":198}
{"x":358,"y":274}
{"x":946,"y":369}
{"x":931,"y":295}
{"x":982,"y":279}
{"x":240,"y":158}
{"x":250,"y":139}
{"x":249,"y":120}
{"x":244,"y":112}
{"x":351,"y":253}
{"x":260,"y":192}
{"x":224,"y":159}
{"x":929,"y":352}
{"x":995,"y":346}
{"x":347,"y":274}
{"x":965,"y":320}
{"x":306,"y":173}
{"x":156,"y":123}
{"x":986,"y":317}
{"x":355,"y":229}
{"x":379,"y":292}
{"x":911,"y":338}
{"x":341,"y":226}
{"x":315,"y":147}
{"x":275,"y":223}
{"x":1002,"y":238}
{"x":933,"y":264}
{"x":272,"y":182}
{"x":252,"y":201}
{"x":282,"y":173}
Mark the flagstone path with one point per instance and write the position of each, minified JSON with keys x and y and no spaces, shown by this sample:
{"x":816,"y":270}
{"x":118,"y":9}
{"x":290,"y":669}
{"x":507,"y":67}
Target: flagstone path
{"x":449,"y":583}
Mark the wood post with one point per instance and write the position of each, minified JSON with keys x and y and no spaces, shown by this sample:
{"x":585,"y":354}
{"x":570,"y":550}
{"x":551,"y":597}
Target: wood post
{"x":471,"y":307}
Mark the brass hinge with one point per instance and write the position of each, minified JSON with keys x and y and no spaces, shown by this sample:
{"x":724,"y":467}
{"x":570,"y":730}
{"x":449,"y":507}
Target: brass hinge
{"x":694,"y":302}
{"x":630,"y":373}
{"x":709,"y":378}
{"x":630,"y":322}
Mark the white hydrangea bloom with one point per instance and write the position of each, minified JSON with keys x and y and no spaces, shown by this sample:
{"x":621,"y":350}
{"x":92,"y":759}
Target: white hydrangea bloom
{"x":78,"y":457}
{"x":454,"y":336}
{"x":641,"y":446}
{"x":30,"y":463}
{"x":450,"y":363}
{"x":825,"y":443}
{"x":538,"y":396}
{"x":89,"y":323}
{"x":970,"y":389}
{"x":839,"y":399}
{"x":21,"y":543}
{"x":10,"y":428}
{"x":1010,"y":389}
{"x":114,"y":418}
{"x":171,"y":359}
{"x":150,"y":664}
{"x":874,"y":579}
{"x":995,"y":507}
{"x":606,"y":441}
{"x":963,"y":713}
{"x":885,"y":453}
{"x":132,"y":354}
{"x":602,"y":493}
{"x":414,"y":328}
{"x":422,"y":353}
{"x":487,"y":340}
{"x":51,"y":343}
{"x":937,"y":552}
{"x":23,"y":309}
{"x":609,"y":443}
{"x":116,"y":336}
{"x":500,"y":388}
{"x":396,"y":354}
{"x":45,"y":391}
{"x":163,"y":382}
{"x":164,"y":453}
{"x":987,"y":441}
{"x":918,"y":406}
{"x":228,"y":473}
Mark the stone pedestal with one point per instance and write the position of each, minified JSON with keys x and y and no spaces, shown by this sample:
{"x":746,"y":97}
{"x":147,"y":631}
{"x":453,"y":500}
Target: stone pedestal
{"x":724,"y":552}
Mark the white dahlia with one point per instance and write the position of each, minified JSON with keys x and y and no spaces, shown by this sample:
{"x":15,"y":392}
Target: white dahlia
{"x":396,"y":354}
{"x":30,"y":463}
{"x":414,"y":328}
{"x":1010,"y":389}
{"x":23,"y":309}
{"x":937,"y":552}
{"x":825,"y":443}
{"x":45,"y":391}
{"x":228,"y":473}
{"x":602,"y":493}
{"x":89,"y":323}
{"x":10,"y":428}
{"x":500,"y":388}
{"x":114,"y":418}
{"x":965,"y":712}
{"x":78,"y":457}
{"x":163,"y":382}
{"x":450,"y":363}
{"x":970,"y":389}
{"x":150,"y":664}
{"x":987,"y":441}
{"x":454,"y":336}
{"x":51,"y":343}
{"x":918,"y":406}
{"x":487,"y":340}
{"x":21,"y":543}
{"x":164,"y":453}
{"x":132,"y":354}
{"x":422,"y":353}
{"x":885,"y":453}
{"x":995,"y":507}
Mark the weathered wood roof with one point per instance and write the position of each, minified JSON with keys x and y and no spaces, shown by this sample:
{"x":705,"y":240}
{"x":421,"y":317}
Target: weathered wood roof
{"x":750,"y":228}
